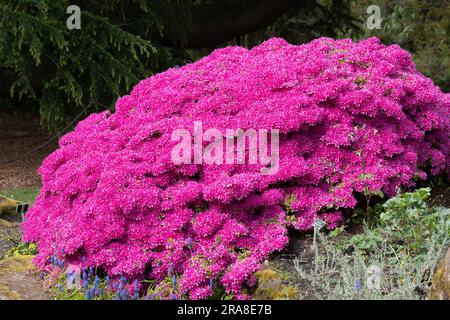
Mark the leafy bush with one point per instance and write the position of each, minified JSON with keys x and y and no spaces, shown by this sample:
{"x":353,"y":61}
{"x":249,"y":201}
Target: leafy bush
{"x":406,"y":244}
{"x":353,"y":118}
{"x":407,"y":223}
{"x":23,"y":249}
{"x":410,"y":223}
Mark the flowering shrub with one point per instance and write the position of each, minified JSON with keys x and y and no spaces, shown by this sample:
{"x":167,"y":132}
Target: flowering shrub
{"x":352,"y":117}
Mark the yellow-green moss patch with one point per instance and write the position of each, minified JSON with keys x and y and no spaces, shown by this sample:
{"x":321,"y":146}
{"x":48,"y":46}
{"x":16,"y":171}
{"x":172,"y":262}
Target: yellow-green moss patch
{"x":440,"y":288}
{"x":7,"y":294}
{"x":18,"y":279}
{"x":16,"y":264}
{"x":7,"y":206}
{"x":272,"y":285}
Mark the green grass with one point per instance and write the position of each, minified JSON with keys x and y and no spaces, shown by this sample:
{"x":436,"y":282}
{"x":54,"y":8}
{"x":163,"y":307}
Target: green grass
{"x":27,"y":195}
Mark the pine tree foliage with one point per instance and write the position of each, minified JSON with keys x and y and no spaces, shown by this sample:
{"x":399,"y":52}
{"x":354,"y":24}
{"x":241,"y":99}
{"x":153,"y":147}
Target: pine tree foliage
{"x":123,"y":41}
{"x":97,"y":63}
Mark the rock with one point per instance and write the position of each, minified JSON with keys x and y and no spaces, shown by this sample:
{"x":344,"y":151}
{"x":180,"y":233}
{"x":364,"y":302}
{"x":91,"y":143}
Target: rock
{"x":9,"y":235}
{"x":272,"y":285}
{"x":17,"y":280}
{"x":440,"y":287}
{"x":7,"y":206}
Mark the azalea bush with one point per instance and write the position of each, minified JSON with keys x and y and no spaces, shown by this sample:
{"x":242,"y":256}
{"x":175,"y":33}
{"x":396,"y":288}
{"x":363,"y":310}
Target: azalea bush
{"x":354,"y":118}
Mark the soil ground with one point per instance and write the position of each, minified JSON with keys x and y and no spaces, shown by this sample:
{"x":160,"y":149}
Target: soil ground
{"x":20,"y":133}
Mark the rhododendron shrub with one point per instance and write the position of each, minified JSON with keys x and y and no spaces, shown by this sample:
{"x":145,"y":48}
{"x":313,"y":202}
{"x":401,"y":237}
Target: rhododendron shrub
{"x":352,"y":117}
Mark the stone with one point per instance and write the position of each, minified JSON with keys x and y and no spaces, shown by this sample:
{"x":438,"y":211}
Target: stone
{"x":6,"y":224}
{"x":7,"y":206}
{"x":9,"y":235}
{"x":440,"y":287}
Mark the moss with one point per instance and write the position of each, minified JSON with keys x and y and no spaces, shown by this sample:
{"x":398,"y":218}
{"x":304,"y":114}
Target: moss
{"x":440,"y":288}
{"x":272,"y":285}
{"x":286,"y":293}
{"x":7,"y":293}
{"x":17,"y":263}
{"x":26,"y":195}
{"x":267,"y":275}
{"x":7,"y":206}
{"x":10,"y":270}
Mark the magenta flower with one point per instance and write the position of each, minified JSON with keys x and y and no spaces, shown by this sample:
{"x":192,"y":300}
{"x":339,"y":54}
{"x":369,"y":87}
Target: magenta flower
{"x":352,"y":117}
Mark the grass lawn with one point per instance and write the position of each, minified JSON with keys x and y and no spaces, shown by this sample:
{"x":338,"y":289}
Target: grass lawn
{"x":27,"y":195}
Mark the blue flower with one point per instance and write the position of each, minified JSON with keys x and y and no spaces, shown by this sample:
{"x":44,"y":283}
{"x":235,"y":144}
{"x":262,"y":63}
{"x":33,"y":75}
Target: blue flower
{"x":108,"y":282}
{"x":173,"y":297}
{"x":92,"y":291}
{"x":358,"y":286}
{"x":136,"y":289}
{"x":211,"y":282}
{"x":189,"y":243}
{"x":88,"y":295}
{"x":60,"y":287}
{"x":174,"y":281}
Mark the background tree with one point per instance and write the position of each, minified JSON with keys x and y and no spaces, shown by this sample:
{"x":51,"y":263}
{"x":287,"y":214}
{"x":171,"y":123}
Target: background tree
{"x":122,"y":42}
{"x":420,"y":26}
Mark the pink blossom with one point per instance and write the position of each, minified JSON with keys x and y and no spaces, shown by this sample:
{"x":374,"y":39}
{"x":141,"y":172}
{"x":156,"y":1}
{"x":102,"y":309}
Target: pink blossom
{"x":352,"y":117}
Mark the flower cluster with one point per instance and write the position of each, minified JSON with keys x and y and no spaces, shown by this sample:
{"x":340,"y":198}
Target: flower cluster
{"x":352,"y":117}
{"x":93,"y":285}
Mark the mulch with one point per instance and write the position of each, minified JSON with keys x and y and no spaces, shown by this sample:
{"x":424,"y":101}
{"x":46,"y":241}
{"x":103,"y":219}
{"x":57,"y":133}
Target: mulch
{"x":21,"y":132}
